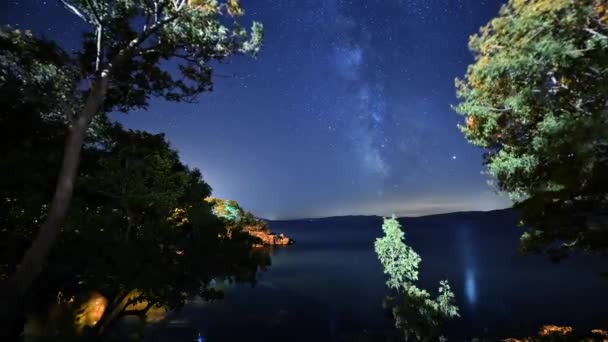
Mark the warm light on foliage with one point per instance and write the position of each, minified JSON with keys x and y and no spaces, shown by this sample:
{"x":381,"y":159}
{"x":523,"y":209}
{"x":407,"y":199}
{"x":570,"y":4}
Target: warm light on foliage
{"x":232,"y":7}
{"x":601,"y":9}
{"x":205,"y":6}
{"x":91,"y":311}
{"x":153,"y":315}
{"x":178,"y":217}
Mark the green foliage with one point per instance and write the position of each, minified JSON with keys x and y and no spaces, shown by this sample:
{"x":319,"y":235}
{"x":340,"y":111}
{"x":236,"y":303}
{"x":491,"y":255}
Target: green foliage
{"x":235,"y":216}
{"x":34,"y":74}
{"x":122,"y":237}
{"x":416,"y":314}
{"x":535,"y":100}
{"x":399,"y":261}
{"x":138,"y":220}
{"x":445,"y":300}
{"x":190,"y":34}
{"x":35,"y":85}
{"x":138,"y":223}
{"x":228,"y":210}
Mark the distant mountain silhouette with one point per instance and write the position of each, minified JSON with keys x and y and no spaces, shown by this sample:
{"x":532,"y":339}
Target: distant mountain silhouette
{"x":509,"y":213}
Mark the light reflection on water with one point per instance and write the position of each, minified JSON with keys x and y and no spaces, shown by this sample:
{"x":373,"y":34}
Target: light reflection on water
{"x":470,"y":287}
{"x":467,"y":244}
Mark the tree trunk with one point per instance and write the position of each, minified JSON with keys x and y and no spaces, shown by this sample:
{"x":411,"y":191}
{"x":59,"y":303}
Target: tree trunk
{"x":110,"y":314}
{"x":11,"y":310}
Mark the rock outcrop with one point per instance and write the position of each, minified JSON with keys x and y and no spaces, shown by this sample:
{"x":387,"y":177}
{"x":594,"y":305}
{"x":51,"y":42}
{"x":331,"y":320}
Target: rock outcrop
{"x":262,"y":232}
{"x":236,"y":218}
{"x":271,"y":238}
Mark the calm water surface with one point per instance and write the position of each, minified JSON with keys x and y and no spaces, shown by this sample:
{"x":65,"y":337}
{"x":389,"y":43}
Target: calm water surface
{"x":329,"y":286}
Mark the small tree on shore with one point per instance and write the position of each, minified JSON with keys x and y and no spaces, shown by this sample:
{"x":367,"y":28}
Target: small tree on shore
{"x":416,"y":314}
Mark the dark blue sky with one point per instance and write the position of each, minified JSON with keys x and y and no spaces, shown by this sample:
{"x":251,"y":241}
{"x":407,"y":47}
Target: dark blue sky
{"x":345,"y":111}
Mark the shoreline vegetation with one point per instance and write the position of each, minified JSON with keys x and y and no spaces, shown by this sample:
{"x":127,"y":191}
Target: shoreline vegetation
{"x":236,"y":218}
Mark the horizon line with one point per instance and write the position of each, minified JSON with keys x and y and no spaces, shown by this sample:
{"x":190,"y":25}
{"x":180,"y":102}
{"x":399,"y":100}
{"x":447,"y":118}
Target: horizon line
{"x":397,"y":215}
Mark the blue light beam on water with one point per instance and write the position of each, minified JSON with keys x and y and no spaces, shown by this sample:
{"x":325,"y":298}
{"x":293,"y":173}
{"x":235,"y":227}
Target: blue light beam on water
{"x":468,"y":257}
{"x":470,"y":286}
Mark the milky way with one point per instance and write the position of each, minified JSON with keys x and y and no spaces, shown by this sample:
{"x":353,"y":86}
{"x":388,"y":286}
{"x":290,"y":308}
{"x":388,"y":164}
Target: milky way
{"x":347,"y":110}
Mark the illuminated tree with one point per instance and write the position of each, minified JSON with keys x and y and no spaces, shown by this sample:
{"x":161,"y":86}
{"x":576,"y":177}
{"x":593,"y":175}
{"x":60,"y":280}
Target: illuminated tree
{"x":226,"y":209}
{"x":399,"y":261}
{"x":120,"y":66}
{"x":535,"y":99}
{"x":416,"y":314}
{"x":234,"y":216}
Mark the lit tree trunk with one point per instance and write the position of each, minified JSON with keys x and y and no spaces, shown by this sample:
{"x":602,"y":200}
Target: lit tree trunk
{"x":32,"y":263}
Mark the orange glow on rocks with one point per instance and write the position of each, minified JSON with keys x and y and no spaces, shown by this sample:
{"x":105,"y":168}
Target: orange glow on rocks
{"x":602,"y":333}
{"x":548,"y":330}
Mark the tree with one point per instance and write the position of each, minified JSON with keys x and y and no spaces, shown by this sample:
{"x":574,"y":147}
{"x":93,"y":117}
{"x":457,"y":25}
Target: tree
{"x":122,"y":64}
{"x":399,"y":261}
{"x":35,"y":82}
{"x":416,"y":315}
{"x":228,"y":210}
{"x":235,"y":217}
{"x":140,"y":234}
{"x":156,"y":240}
{"x":535,"y":99}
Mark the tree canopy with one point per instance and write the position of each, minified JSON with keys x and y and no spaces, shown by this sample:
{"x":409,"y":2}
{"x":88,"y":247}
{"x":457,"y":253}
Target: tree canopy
{"x":132,"y":38}
{"x":135,"y":50}
{"x":535,"y":99}
{"x":143,"y":232}
{"x":235,"y":216}
{"x":139,"y":213}
{"x":139,"y":231}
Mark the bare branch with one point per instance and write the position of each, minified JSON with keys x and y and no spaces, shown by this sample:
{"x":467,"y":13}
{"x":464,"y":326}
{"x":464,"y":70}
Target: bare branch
{"x":179,"y":4}
{"x":155,"y":11}
{"x":99,"y":47}
{"x":595,"y":33}
{"x":187,"y":58}
{"x":147,"y":22}
{"x":570,"y":244}
{"x":493,"y":109}
{"x":155,"y":27}
{"x":74,"y":10}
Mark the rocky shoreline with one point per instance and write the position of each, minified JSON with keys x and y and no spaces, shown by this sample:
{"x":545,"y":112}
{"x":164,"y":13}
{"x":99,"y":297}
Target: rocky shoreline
{"x":268,"y":238}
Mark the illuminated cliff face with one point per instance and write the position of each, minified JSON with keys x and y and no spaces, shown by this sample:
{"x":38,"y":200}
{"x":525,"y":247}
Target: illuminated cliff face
{"x":91,"y":311}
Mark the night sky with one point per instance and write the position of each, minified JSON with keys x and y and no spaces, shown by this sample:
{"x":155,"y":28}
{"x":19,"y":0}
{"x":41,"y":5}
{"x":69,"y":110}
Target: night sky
{"x":345,"y":111}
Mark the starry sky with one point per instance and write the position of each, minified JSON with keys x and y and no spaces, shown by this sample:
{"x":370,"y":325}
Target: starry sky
{"x":347,"y":109}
